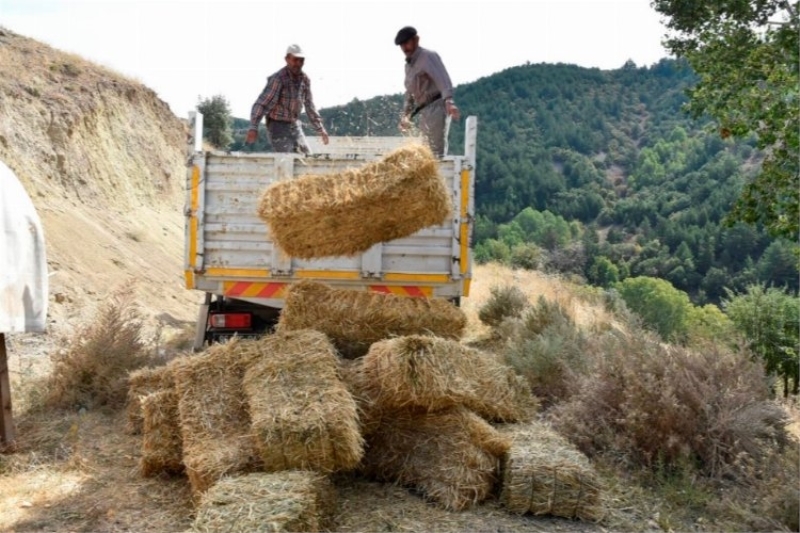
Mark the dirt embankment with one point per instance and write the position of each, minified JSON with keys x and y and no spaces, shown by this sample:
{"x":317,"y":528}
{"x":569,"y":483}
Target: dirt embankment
{"x":102,"y":158}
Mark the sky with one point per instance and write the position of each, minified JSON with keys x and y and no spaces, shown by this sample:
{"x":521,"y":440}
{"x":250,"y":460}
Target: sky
{"x":187,"y":49}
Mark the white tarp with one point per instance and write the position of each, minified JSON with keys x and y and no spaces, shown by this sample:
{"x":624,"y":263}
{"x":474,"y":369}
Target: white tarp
{"x":23,"y":264}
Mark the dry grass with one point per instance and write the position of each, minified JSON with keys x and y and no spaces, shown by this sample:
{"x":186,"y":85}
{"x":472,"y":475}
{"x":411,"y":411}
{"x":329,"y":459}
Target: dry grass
{"x":93,"y":370}
{"x":162,"y":445}
{"x":430,"y":374}
{"x":544,"y":474}
{"x":353,"y":320}
{"x":303,"y":416}
{"x":214,"y":419}
{"x":271,"y":503}
{"x":323,"y":215}
{"x":452,"y":456}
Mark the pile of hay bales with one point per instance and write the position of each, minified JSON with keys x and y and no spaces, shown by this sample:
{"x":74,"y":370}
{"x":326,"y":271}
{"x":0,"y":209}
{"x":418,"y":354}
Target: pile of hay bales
{"x":259,"y":425}
{"x":544,"y":474}
{"x":142,"y":382}
{"x":323,"y":215}
{"x":354,"y":320}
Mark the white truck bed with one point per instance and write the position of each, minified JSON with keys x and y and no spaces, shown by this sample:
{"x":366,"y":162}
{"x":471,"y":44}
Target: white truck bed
{"x":229,"y":252}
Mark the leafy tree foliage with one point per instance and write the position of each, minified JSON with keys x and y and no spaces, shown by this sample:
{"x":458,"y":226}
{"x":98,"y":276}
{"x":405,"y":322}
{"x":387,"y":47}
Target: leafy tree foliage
{"x":769,"y":318}
{"x":746,"y":54}
{"x":661,"y":306}
{"x":216,"y":120}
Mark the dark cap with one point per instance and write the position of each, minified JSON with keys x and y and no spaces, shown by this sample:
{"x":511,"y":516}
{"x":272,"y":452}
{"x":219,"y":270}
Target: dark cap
{"x":405,"y":34}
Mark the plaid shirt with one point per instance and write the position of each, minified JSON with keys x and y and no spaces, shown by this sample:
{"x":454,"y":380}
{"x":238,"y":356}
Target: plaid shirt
{"x":283,"y":98}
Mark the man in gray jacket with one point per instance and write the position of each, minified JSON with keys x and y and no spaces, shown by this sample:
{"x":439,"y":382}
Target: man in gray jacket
{"x":429,"y":92}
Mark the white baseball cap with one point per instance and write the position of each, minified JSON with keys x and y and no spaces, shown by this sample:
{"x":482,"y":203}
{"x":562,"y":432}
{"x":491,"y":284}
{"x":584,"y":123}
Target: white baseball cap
{"x":295,"y":50}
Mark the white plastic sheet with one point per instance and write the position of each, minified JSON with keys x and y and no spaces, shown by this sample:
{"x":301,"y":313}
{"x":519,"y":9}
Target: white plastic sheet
{"x":23,"y":262}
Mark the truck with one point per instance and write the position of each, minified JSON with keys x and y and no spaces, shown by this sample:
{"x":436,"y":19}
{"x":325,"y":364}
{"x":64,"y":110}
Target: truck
{"x":230,"y":256}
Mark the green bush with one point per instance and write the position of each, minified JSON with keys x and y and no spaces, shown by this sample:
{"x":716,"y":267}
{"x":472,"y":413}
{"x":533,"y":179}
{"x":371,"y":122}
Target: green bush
{"x":505,"y":302}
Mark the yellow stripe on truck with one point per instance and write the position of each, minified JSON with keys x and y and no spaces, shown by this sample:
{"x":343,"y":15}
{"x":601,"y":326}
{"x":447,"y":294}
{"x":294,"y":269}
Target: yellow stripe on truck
{"x":464,"y":224}
{"x":419,"y":278}
{"x":216,"y":272}
{"x":193,"y":205}
{"x":327,"y":274}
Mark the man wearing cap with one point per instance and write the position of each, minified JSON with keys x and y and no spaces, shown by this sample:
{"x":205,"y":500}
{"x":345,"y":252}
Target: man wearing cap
{"x":281,"y":101}
{"x":429,"y":92}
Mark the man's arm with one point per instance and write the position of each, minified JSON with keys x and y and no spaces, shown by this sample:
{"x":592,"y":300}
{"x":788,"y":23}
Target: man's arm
{"x":313,"y":116}
{"x":263,"y":105}
{"x":438,"y":73}
{"x":408,"y":108}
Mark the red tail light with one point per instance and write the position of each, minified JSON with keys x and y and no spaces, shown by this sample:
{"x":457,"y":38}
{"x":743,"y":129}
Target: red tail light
{"x":231,"y":320}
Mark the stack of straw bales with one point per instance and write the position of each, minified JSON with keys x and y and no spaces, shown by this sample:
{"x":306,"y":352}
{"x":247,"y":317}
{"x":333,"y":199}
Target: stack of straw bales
{"x":162,"y":445}
{"x":323,"y":215}
{"x":302,"y":415}
{"x":354,"y":320}
{"x":544,"y":474}
{"x":420,"y":398}
{"x":269,"y":503}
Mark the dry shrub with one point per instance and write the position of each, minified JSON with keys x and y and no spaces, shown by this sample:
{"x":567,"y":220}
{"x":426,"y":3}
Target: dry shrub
{"x":270,"y":503}
{"x":303,"y":416}
{"x":93,"y":370}
{"x":452,"y":456}
{"x":662,"y":405}
{"x":142,"y":382}
{"x":214,"y":418}
{"x":548,"y":349}
{"x":544,"y":474}
{"x":324,"y":215}
{"x":429,"y":374}
{"x":353,"y":320}
{"x":507,"y":301}
{"x":162,"y":445}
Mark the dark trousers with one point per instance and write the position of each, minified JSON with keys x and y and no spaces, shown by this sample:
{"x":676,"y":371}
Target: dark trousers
{"x":286,"y":137}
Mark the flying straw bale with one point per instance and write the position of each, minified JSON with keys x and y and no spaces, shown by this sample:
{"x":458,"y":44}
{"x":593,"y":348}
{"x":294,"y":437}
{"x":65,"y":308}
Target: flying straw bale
{"x":303,"y":416}
{"x":142,"y":382}
{"x":451,"y":456}
{"x":324,"y":215}
{"x":162,"y":445}
{"x":430,"y":373}
{"x":544,"y":474}
{"x":214,"y":419}
{"x":353,"y":320}
{"x":277,"y":502}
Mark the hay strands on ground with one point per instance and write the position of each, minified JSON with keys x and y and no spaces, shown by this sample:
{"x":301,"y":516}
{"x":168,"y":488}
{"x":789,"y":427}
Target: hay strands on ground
{"x":320,"y":215}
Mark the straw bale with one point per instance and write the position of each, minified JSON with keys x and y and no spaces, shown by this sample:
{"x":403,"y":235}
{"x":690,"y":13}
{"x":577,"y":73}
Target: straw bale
{"x":430,"y":373}
{"x":353,"y":320}
{"x":142,"y":382}
{"x":324,"y":215}
{"x":214,"y":419}
{"x":545,"y":474}
{"x":351,"y":372}
{"x":302,"y":414}
{"x":451,"y":456}
{"x":269,"y":503}
{"x":162,"y":446}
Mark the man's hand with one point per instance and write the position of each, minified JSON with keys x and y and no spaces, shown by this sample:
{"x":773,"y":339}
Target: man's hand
{"x":324,"y":136}
{"x":252,"y":136}
{"x":405,"y":124}
{"x":452,"y":110}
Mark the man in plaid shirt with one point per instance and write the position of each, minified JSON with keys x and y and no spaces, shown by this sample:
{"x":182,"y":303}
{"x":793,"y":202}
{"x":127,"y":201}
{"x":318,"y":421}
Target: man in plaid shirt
{"x":281,"y":101}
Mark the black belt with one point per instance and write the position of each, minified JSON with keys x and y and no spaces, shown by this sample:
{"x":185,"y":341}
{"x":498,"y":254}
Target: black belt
{"x":419,"y":108}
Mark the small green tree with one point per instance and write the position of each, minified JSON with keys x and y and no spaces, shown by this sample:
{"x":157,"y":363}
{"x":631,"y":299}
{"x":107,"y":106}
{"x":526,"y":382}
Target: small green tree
{"x":216,"y":120}
{"x":769,"y":318}
{"x":661,"y":306}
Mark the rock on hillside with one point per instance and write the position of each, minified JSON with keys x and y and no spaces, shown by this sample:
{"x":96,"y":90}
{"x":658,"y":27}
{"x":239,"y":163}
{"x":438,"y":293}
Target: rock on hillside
{"x":102,"y":157}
